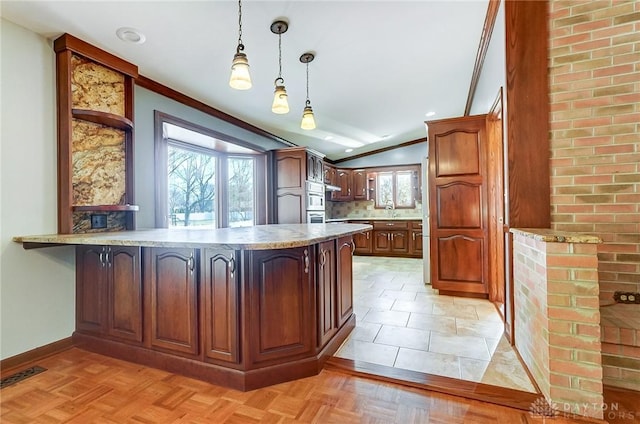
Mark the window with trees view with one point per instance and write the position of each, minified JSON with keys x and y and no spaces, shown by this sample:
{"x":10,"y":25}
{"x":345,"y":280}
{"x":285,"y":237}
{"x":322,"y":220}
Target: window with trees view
{"x":395,"y":189}
{"x":203,"y":180}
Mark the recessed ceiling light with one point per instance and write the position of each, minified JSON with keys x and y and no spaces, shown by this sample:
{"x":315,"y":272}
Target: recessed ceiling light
{"x":430,"y":114}
{"x":348,"y":150}
{"x":328,"y":137}
{"x":130,"y":35}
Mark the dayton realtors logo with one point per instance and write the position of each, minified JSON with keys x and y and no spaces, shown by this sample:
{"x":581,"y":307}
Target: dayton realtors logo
{"x":542,"y":408}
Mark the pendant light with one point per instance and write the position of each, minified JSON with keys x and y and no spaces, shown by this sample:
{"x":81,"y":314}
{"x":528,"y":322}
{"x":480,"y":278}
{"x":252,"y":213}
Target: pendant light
{"x":240,"y":78}
{"x":280,"y":104}
{"x":308,"y":121}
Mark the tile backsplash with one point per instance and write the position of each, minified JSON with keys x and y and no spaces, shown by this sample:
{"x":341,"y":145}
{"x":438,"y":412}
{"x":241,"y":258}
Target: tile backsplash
{"x":366,"y":209}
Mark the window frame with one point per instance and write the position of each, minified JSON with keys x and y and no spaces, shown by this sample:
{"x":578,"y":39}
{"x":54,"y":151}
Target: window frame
{"x":413,"y":170}
{"x":162,"y":216}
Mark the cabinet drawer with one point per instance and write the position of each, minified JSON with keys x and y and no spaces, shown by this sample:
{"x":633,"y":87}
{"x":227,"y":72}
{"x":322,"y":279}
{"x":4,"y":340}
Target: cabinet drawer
{"x":388,"y":225}
{"x":415,"y":225}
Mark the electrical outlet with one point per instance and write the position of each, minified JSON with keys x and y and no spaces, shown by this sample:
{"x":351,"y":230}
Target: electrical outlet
{"x":626,"y":297}
{"x":98,"y":221}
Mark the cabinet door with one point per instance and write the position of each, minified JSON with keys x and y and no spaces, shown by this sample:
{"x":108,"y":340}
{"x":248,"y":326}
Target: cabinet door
{"x":326,"y":292}
{"x":399,"y":242}
{"x":124,"y":310}
{"x":362,"y":242}
{"x":311,"y":167}
{"x":344,"y":268}
{"x":291,"y":173}
{"x":281,"y":309}
{"x":329,"y":174}
{"x":343,"y":180}
{"x":416,"y":243}
{"x":319,"y":171}
{"x":359,"y":184}
{"x":458,"y":205}
{"x":220,"y":307}
{"x":172,"y":308}
{"x":91,"y":289}
{"x":381,"y":241}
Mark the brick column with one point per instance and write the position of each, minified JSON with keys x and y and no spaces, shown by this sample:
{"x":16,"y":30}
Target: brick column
{"x":557,"y":322}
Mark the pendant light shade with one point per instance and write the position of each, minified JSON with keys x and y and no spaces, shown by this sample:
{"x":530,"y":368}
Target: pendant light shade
{"x":280,"y":99}
{"x":240,"y":78}
{"x":280,"y":102}
{"x":308,"y":120}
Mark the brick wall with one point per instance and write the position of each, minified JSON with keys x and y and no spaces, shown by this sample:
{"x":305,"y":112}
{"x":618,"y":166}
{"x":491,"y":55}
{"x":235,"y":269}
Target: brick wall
{"x":558,"y":321}
{"x":595,"y":148}
{"x":595,"y":131}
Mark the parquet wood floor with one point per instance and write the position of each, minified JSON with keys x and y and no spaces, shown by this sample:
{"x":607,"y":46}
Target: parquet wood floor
{"x":84,"y":387}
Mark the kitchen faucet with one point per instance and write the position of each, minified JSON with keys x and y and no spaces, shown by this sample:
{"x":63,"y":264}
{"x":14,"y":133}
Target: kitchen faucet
{"x":391,"y":208}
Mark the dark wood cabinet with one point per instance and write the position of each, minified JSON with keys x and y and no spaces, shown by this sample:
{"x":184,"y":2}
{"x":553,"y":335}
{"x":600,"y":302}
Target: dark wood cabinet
{"x":280,"y":304}
{"x":399,"y":242}
{"x":330,"y":174}
{"x":238,"y":318}
{"x":171,"y":309}
{"x":326,"y":284}
{"x":390,"y":238}
{"x":344,"y":181}
{"x":220,"y":307}
{"x":292,"y":168}
{"x":363,"y":241}
{"x":459,"y":219}
{"x":381,"y":242}
{"x":344,"y":279}
{"x":415,"y":229}
{"x":314,"y":168}
{"x":108,"y":291}
{"x":359,"y":177}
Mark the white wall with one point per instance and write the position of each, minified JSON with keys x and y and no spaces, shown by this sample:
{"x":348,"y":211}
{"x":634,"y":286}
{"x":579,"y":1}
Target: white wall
{"x":494,"y":73}
{"x":37,"y":287}
{"x":408,"y":155}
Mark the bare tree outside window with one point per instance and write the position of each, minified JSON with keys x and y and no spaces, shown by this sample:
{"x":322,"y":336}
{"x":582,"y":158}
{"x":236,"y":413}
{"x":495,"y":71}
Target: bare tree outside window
{"x":241,"y":195}
{"x":191,"y":177}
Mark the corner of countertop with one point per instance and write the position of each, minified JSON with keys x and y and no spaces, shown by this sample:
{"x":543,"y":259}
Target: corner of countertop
{"x":549,"y":235}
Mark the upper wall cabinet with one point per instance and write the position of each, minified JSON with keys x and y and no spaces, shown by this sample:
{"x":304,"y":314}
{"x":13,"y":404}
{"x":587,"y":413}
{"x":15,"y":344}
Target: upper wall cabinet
{"x":95,"y":138}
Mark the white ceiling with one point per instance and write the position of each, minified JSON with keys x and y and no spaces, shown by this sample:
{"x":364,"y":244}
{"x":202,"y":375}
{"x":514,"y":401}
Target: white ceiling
{"x":380,"y":66}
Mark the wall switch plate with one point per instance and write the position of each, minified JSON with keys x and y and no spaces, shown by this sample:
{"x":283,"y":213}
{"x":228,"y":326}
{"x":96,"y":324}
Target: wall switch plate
{"x":98,"y":221}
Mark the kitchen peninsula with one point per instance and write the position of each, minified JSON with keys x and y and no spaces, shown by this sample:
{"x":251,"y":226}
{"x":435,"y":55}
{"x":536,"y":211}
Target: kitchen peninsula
{"x":238,"y":307}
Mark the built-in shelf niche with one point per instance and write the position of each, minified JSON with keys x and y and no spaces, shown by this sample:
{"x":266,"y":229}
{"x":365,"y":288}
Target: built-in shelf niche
{"x":95,"y":137}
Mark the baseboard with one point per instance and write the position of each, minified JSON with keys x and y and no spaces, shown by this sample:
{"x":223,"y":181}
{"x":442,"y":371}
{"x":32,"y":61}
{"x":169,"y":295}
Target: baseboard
{"x":29,"y":358}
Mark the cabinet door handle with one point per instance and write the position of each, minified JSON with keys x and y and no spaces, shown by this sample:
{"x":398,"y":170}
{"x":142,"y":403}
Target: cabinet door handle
{"x":353,"y":248}
{"x":232,"y":266}
{"x":108,"y":256}
{"x":413,"y":236}
{"x":367,"y":235}
{"x":323,"y":257}
{"x":102,"y":257}
{"x":191,"y":263}
{"x":306,"y":261}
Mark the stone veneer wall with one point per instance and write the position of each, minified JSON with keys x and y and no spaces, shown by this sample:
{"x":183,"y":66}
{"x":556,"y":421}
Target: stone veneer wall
{"x":557,"y":323}
{"x":595,"y":152}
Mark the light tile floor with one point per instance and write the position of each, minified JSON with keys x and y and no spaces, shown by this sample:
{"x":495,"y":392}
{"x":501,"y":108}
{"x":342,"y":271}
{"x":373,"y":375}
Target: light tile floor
{"x":402,"y":323}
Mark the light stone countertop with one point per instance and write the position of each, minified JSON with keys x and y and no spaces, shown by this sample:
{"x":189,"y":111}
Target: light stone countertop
{"x":553,"y":236}
{"x":376,"y":218}
{"x":259,"y":237}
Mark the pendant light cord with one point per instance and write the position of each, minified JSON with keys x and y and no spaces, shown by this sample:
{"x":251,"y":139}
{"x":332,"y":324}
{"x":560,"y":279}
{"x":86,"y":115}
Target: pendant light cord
{"x":307,"y":102}
{"x":280,"y":56}
{"x":240,"y":45}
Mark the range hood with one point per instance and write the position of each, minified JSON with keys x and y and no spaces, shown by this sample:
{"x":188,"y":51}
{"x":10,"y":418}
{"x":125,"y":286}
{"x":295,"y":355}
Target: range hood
{"x":329,"y":187}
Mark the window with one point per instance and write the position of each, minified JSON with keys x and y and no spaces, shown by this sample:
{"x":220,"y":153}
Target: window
{"x":203,"y":180}
{"x":396,"y":189}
